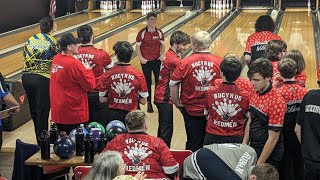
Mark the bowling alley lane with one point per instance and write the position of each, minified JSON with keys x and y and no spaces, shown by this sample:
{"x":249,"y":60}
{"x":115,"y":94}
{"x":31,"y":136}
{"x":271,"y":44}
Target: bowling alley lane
{"x":202,"y":22}
{"x":14,"y":62}
{"x":131,"y":33}
{"x":297,"y":31}
{"x":62,"y":23}
{"x":233,"y":38}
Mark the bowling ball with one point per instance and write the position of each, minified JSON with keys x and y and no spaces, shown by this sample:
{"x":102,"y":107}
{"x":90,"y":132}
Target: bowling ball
{"x":115,"y":123}
{"x":95,"y":134}
{"x":64,"y":147}
{"x":114,"y":131}
{"x":72,"y":134}
{"x":96,"y":125}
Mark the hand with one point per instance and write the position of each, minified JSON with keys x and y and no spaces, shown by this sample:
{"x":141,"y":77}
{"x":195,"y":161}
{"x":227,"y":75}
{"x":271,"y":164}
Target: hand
{"x":143,"y":60}
{"x":162,"y":58}
{"x":140,"y":176}
{"x":103,"y":99}
{"x":14,"y":111}
{"x":88,"y":64}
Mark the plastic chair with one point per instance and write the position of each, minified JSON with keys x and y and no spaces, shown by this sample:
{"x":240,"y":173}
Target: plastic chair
{"x":81,"y":171}
{"x":180,"y":156}
{"x":24,"y":172}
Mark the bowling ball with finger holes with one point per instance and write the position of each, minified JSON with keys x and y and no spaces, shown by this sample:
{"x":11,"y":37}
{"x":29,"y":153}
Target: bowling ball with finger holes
{"x":115,"y":123}
{"x":64,"y":147}
{"x":114,"y":131}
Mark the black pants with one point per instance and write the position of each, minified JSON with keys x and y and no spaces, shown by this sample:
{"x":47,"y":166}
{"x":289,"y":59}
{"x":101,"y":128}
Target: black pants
{"x":0,"y":137}
{"x":275,"y":157}
{"x":292,"y":168}
{"x":195,"y":129}
{"x":69,"y":127}
{"x":37,"y":90}
{"x":117,"y":114}
{"x":213,"y":139}
{"x":165,"y":129}
{"x":98,"y":112}
{"x":147,"y":70}
{"x":311,"y":170}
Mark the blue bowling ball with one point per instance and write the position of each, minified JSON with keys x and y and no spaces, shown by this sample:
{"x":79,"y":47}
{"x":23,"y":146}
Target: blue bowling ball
{"x":95,"y":134}
{"x":64,"y":147}
{"x":115,"y":123}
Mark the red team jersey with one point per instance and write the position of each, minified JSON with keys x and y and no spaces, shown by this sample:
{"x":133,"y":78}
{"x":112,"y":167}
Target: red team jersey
{"x":196,"y":74}
{"x":227,"y":105}
{"x":301,"y":78}
{"x":162,"y":91}
{"x":69,"y":84}
{"x":98,"y":57}
{"x":149,"y":43}
{"x":293,"y":94}
{"x":145,"y":153}
{"x":124,"y":85}
{"x":242,"y":83}
{"x":276,"y":77}
{"x":267,"y":113}
{"x":257,"y":42}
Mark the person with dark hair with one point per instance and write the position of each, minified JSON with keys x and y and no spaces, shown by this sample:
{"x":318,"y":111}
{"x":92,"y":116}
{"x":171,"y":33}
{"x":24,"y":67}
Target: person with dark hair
{"x":38,"y":53}
{"x":275,"y":51}
{"x":227,"y":106}
{"x":220,"y":162}
{"x":196,"y":74}
{"x":301,"y":76}
{"x":308,"y":132}
{"x":7,"y":99}
{"x":256,"y":43}
{"x":293,"y":94}
{"x":122,"y":87}
{"x":267,"y":109}
{"x":264,"y":171}
{"x":162,"y":99}
{"x":241,"y":82}
{"x":101,"y":61}
{"x":143,"y":152}
{"x":151,"y":51}
{"x":69,"y":83}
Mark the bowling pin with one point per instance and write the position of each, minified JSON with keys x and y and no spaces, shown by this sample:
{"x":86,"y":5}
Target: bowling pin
{"x":181,"y":5}
{"x":228,"y":5}
{"x":231,"y":5}
{"x":223,"y":4}
{"x":213,"y":4}
{"x":158,"y":5}
{"x":153,"y":5}
{"x":114,"y":4}
{"x":309,"y":4}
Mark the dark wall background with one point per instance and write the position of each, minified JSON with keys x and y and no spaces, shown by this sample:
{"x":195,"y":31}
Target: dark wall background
{"x":19,"y":13}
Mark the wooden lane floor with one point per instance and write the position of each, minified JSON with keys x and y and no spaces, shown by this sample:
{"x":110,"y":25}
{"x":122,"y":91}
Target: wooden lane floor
{"x":233,"y":38}
{"x":14,"y":62}
{"x":62,"y":23}
{"x":297,"y":31}
{"x":203,"y":22}
{"x":131,"y":33}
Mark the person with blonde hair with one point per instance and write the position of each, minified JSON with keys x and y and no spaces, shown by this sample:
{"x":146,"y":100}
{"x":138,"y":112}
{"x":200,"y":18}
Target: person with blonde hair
{"x":108,"y":166}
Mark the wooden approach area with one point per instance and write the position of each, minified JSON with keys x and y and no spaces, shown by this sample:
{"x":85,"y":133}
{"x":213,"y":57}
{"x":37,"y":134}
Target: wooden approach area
{"x":296,"y":29}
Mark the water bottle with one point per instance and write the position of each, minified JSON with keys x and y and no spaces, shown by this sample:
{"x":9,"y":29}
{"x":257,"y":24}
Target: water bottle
{"x":102,"y":142}
{"x":88,"y":146}
{"x":79,"y":142}
{"x":54,"y":133}
{"x":45,"y":144}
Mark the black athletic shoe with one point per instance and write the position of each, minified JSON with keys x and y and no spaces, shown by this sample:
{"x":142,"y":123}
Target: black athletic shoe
{"x":150,"y":109}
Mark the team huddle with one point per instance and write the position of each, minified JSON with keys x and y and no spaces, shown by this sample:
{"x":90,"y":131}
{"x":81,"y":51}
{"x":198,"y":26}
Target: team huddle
{"x":232,"y":123}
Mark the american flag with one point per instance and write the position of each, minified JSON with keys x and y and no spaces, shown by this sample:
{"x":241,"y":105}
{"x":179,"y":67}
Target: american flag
{"x":53,"y":8}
